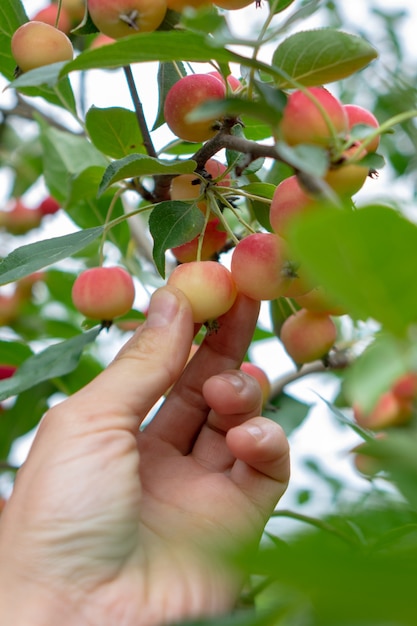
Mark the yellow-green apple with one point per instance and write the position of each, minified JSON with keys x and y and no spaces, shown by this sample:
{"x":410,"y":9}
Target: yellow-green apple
{"x":184,"y":97}
{"x":120,"y":18}
{"x":189,"y":186}
{"x":319,"y":301}
{"x":103,"y":293}
{"x":35,"y":44}
{"x":347,"y":177}
{"x":209,"y":287}
{"x":75,"y":9}
{"x":314,"y":117}
{"x":308,"y":336}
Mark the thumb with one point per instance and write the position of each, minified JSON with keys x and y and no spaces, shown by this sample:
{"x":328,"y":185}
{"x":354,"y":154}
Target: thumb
{"x":149,"y":363}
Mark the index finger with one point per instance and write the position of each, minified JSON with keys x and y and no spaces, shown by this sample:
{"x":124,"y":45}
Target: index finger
{"x":184,"y":412}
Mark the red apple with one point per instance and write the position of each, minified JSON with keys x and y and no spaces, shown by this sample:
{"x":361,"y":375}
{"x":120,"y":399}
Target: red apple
{"x":20,"y":219}
{"x":103,"y":293}
{"x":308,"y":336}
{"x":186,"y":95}
{"x":289,"y":201}
{"x":49,"y":15}
{"x":258,"y":266}
{"x":309,"y":121}
{"x":120,"y":18}
{"x":213,"y":241}
{"x":208,"y":285}
{"x":359,"y":115}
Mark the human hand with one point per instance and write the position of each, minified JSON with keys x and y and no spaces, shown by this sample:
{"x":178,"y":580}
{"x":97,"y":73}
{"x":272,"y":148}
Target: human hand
{"x":111,"y":525}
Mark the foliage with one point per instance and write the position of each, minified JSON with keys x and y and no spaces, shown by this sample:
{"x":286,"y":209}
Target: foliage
{"x":102,"y":165}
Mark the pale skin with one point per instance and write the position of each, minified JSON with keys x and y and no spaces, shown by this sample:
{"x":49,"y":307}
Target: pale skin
{"x":111,"y":525}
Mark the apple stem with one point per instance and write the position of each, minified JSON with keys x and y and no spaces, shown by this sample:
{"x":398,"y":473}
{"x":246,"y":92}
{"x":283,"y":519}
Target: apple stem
{"x":146,"y":137}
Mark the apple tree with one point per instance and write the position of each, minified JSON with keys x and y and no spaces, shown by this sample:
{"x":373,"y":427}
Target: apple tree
{"x":259,"y":172}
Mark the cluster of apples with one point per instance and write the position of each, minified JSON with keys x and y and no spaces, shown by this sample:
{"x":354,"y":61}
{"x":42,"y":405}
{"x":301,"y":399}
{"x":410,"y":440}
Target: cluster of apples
{"x":19,"y":219}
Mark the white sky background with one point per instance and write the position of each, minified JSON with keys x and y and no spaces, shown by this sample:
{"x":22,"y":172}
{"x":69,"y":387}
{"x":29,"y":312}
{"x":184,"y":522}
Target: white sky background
{"x":320,"y":437}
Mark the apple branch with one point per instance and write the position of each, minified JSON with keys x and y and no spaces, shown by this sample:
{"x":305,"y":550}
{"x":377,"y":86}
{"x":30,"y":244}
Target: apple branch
{"x":146,"y":136}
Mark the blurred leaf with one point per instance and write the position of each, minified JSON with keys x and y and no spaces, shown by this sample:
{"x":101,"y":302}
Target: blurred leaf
{"x":35,"y":256}
{"x":347,"y":252}
{"x":311,"y":160}
{"x":172,"y":223}
{"x":114,"y":131}
{"x":13,"y":352}
{"x":320,"y":56}
{"x":141,"y":165}
{"x":287,"y":411}
{"x":66,"y":155}
{"x":53,"y":362}
{"x":260,"y":209}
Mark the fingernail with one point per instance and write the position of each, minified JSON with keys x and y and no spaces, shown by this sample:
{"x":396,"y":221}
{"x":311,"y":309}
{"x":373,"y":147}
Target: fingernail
{"x":162,"y":309}
{"x":255,"y":431}
{"x":236,"y":379}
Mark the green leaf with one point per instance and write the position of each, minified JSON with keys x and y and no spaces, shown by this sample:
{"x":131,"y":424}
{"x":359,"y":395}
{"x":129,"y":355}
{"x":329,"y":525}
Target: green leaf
{"x":157,"y":46}
{"x":135,"y":165}
{"x":320,"y":56}
{"x":280,"y":309}
{"x":35,"y":256}
{"x":287,"y":411}
{"x":279,"y":6}
{"x":260,"y":209}
{"x":311,"y":160}
{"x":234,"y":106}
{"x":167,"y":76}
{"x":366,"y":258}
{"x":56,"y":360}
{"x":172,"y":223}
{"x":375,"y":370}
{"x":48,"y":75}
{"x":13,"y":352}
{"x":66,"y":155}
{"x":114,"y":131}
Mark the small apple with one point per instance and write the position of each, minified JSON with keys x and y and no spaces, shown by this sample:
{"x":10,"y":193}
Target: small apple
{"x":49,"y":206}
{"x":208,"y":285}
{"x":213,"y":241}
{"x":389,"y":411}
{"x":289,"y":201}
{"x":232,"y":82}
{"x":309,"y":121}
{"x":120,"y":18}
{"x":20,"y":219}
{"x":35,"y":44}
{"x":186,"y":95}
{"x":359,"y":115}
{"x":189,"y":186}
{"x":103,"y":293}
{"x":260,"y":375}
{"x":180,"y":5}
{"x":258,"y":266}
{"x":347,"y":178}
{"x":49,"y":15}
{"x":308,"y":336}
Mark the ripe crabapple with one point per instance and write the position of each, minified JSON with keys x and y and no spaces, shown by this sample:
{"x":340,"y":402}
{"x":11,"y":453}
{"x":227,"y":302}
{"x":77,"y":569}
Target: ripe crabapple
{"x":405,"y":387}
{"x":289,"y":201}
{"x":120,"y":18}
{"x":49,"y":206}
{"x":49,"y":15}
{"x":260,"y":375}
{"x":103,"y":293}
{"x":233,"y":82}
{"x":20,"y":219}
{"x":186,"y":95}
{"x":35,"y":44}
{"x":389,"y":410}
{"x":306,"y":121}
{"x":308,"y":336}
{"x":101,"y":40}
{"x":188,"y":186}
{"x":214,"y":240}
{"x":7,"y":371}
{"x":9,"y":308}
{"x":258,"y":266}
{"x":208,"y":285}
{"x":359,"y":115}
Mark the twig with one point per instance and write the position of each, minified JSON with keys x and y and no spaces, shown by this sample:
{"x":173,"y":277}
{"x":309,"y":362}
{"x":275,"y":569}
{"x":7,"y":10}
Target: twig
{"x":146,"y":137}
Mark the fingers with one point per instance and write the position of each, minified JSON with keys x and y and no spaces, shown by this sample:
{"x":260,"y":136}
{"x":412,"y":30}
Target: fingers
{"x":146,"y":366}
{"x":234,"y":397}
{"x":262,"y":466}
{"x":185,"y":411}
